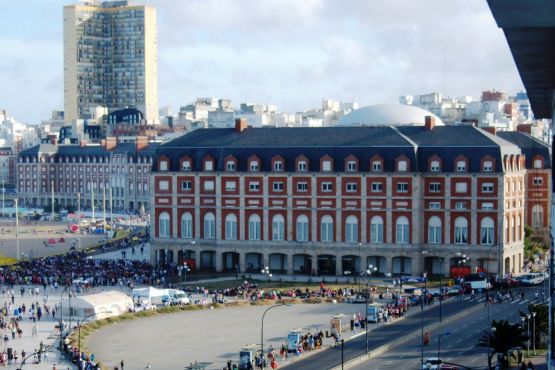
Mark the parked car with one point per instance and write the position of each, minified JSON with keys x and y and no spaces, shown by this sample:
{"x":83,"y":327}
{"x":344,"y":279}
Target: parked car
{"x":432,"y":363}
{"x":506,"y":283}
{"x":454,"y":290}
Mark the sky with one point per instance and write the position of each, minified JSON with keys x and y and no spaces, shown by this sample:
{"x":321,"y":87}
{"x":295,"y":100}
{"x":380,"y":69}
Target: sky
{"x":289,"y":53}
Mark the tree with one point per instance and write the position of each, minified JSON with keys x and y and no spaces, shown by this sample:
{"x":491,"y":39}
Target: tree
{"x":503,"y":337}
{"x":541,"y":320}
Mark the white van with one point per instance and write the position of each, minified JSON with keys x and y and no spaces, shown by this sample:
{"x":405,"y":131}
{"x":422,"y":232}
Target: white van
{"x":534,"y":278}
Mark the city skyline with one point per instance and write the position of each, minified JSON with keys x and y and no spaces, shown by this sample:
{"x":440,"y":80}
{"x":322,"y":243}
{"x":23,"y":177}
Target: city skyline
{"x":284,"y":53}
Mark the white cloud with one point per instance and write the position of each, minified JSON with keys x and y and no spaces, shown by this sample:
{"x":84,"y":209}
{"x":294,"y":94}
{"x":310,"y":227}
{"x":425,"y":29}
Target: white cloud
{"x":287,"y":52}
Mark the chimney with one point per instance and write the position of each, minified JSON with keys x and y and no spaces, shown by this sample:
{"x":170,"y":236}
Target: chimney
{"x":83,"y":143}
{"x":241,"y":125}
{"x":429,"y":123}
{"x":491,"y":129}
{"x":525,"y":128}
{"x":110,"y":143}
{"x":141,"y":142}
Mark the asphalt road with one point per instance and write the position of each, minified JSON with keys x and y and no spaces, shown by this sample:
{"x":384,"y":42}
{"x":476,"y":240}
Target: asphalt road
{"x":460,"y":346}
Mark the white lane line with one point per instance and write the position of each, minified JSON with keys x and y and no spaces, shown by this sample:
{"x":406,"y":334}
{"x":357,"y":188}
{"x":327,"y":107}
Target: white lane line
{"x":458,"y":341}
{"x":389,"y":362}
{"x":460,"y":353}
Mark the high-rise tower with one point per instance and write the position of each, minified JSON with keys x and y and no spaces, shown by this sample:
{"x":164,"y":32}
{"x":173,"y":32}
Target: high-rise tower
{"x":110,"y":58}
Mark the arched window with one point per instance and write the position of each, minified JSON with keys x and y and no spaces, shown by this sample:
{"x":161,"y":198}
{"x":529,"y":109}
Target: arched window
{"x":402,"y":230}
{"x":231,"y":227}
{"x":209,"y":226}
{"x":537,"y":216}
{"x":519,"y":227}
{"x":302,"y":228}
{"x":164,"y":225}
{"x":187,"y":226}
{"x":278,"y":228}
{"x":376,"y":229}
{"x":434,"y":230}
{"x":461,"y":231}
{"x":513,"y":228}
{"x":351,"y":229}
{"x":487,"y":229}
{"x":326,"y":229}
{"x":254,"y":227}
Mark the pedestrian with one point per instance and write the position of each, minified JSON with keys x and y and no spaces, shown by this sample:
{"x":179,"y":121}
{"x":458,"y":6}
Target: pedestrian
{"x":228,"y":364}
{"x":121,"y":364}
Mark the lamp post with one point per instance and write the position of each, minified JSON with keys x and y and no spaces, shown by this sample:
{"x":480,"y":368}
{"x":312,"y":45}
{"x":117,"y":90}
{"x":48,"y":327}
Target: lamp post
{"x":439,"y":341}
{"x":342,"y":356}
{"x":424,"y":275}
{"x":183,"y":270}
{"x":79,"y":328}
{"x":534,"y":333}
{"x":368,"y":275}
{"x":266,"y":271}
{"x":527,"y":319}
{"x":492,"y":330}
{"x":23,"y":361}
{"x":441,"y":261}
{"x":262,"y":326}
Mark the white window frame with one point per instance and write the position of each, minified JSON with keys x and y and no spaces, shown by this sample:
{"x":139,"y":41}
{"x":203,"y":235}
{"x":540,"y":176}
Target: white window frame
{"x":254,"y":186}
{"x":402,"y":166}
{"x":164,"y":185}
{"x":327,"y":187}
{"x":163,"y":166}
{"x":435,"y":166}
{"x":461,"y":231}
{"x":377,"y":187}
{"x":208,"y":185}
{"x":254,"y":166}
{"x":326,"y":229}
{"x":302,"y":166}
{"x":487,"y":231}
{"x":231,"y":227}
{"x":351,"y":166}
{"x":435,"y":187}
{"x":186,"y":165}
{"x":186,"y":226}
{"x":351,"y":229}
{"x":377,"y":166}
{"x":487,"y":187}
{"x":376,"y":230}
{"x":301,"y":227}
{"x":326,"y":166}
{"x":209,"y":166}
{"x":302,"y":187}
{"x":351,"y":187}
{"x":164,"y":222}
{"x":402,"y":230}
{"x":186,"y":185}
{"x":461,"y":187}
{"x":434,"y":230}
{"x":278,"y":186}
{"x":402,"y":187}
{"x":209,"y":226}
{"x":461,"y":166}
{"x":278,"y":228}
{"x":230,"y":166}
{"x":434,"y":205}
{"x":278,"y":166}
{"x":254,"y":227}
{"x":487,"y":166}
{"x":230,"y":185}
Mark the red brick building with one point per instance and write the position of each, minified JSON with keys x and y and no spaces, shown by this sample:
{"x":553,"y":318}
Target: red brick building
{"x":333,"y":200}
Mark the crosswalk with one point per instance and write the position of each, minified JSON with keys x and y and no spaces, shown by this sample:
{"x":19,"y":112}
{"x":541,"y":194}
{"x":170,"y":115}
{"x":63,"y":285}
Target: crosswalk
{"x":514,"y":301}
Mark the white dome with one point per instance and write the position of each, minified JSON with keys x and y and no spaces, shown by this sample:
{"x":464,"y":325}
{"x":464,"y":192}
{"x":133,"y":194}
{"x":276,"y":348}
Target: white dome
{"x":387,"y":114}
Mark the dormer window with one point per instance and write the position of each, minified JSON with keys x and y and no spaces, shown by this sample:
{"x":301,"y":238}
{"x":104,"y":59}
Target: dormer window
{"x":230,"y":166}
{"x":351,"y":166}
{"x":402,"y":166}
{"x":377,"y":166}
{"x":163,"y":165}
{"x":434,"y":166}
{"x":278,"y":166}
{"x":488,"y":166}
{"x":253,"y":166}
{"x":326,"y":166}
{"x":209,"y":165}
{"x":302,"y":166}
{"x":538,"y":163}
{"x":461,"y":166}
{"x":186,"y":165}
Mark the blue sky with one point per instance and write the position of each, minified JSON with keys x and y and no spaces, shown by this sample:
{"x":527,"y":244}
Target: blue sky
{"x":286,"y":52}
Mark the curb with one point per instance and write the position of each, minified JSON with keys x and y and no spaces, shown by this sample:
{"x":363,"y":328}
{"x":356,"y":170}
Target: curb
{"x":384,"y":348}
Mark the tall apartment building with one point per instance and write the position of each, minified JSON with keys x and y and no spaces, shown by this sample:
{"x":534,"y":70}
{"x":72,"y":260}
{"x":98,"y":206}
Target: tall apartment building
{"x":331,"y":200}
{"x":110,"y":58}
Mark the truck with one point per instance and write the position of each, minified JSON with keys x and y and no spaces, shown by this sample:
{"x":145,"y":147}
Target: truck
{"x":178,"y":297}
{"x":476,"y":282}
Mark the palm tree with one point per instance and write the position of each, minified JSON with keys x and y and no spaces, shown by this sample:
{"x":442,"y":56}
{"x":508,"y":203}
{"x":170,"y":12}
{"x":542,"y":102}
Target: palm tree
{"x":541,"y":320}
{"x":504,"y":337}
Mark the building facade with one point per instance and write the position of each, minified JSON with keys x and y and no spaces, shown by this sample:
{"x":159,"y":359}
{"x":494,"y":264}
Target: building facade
{"x":330,"y":201}
{"x":110,"y":58}
{"x":122,"y":169}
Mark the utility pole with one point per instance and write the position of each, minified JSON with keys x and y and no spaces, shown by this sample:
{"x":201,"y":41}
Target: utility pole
{"x":92,"y":195}
{"x":3,"y":198}
{"x":111,"y":212}
{"x":52,"y":191}
{"x":79,"y":218}
{"x":104,"y":206}
{"x":17,"y":226}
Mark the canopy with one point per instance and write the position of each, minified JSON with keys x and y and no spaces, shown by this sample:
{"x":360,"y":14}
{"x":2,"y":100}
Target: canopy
{"x":100,"y":305}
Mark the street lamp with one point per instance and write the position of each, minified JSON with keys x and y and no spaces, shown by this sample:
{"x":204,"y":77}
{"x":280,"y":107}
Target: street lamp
{"x":262,"y":326}
{"x":439,"y":341}
{"x":79,"y":328}
{"x":441,"y":261}
{"x":369,"y":272}
{"x":492,"y":330}
{"x":527,"y":319}
{"x":183,"y":270}
{"x":266,"y":271}
{"x":534,"y":333}
{"x":23,"y":361}
{"x":424,"y":275}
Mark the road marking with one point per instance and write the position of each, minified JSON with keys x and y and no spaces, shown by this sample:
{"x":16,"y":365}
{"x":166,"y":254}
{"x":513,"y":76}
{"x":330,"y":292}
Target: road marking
{"x":448,"y":359}
{"x":389,"y":362}
{"x":460,"y":340}
{"x":461,"y":353}
{"x":473,"y":360}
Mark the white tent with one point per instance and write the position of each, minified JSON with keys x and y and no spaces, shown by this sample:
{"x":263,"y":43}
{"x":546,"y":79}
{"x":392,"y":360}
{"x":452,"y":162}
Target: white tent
{"x":101,"y":305}
{"x":147,"y":294}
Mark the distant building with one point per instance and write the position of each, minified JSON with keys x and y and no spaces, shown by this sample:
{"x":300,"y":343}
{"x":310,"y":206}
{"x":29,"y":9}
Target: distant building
{"x":110,"y":58}
{"x":123,"y":168}
{"x":7,"y":167}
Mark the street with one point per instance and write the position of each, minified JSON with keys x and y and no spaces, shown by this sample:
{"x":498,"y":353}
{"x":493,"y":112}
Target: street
{"x":460,"y":346}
